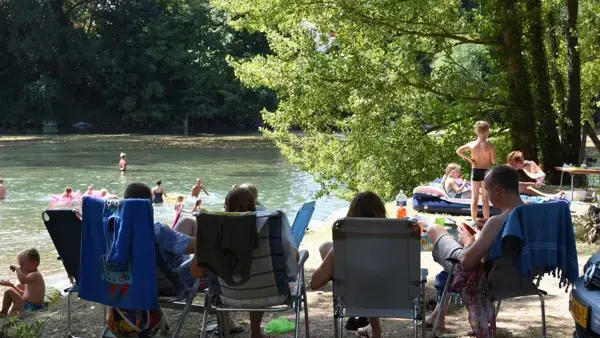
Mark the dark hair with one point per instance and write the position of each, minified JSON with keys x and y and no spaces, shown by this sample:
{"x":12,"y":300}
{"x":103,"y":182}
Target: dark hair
{"x":138,"y":190}
{"x":31,"y":255}
{"x":505,"y":178}
{"x":239,"y":200}
{"x":68,"y":190}
{"x":366,"y":204}
{"x":159,"y":182}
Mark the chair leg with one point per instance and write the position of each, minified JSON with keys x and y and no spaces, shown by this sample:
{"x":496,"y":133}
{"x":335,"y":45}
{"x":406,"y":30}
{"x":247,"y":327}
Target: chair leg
{"x":442,"y":303}
{"x":497,"y":309}
{"x":543,"y":314}
{"x":306,"y":320}
{"x":207,"y":302}
{"x":182,"y":317}
{"x":423,"y":309}
{"x":70,"y":335}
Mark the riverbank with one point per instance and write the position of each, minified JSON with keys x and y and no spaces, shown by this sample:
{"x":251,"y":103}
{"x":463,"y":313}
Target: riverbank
{"x":518,"y":318}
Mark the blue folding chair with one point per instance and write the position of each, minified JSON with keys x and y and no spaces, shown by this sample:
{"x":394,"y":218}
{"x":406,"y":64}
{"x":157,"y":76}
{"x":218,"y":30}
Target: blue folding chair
{"x":303,"y":217}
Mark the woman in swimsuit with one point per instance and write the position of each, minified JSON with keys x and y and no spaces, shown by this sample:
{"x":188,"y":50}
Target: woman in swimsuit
{"x":158,"y":192}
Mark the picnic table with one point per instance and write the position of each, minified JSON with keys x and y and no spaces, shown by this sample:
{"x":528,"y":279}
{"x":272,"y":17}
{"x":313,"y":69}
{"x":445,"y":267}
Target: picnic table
{"x":576,"y":171}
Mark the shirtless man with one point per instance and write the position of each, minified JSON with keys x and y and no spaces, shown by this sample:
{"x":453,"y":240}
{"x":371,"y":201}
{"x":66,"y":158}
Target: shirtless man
{"x":89,"y":191}
{"x":502,"y":185}
{"x":197,"y":188}
{"x":28,"y":295}
{"x":2,"y":190}
{"x":123,"y":163}
{"x":483,"y":156}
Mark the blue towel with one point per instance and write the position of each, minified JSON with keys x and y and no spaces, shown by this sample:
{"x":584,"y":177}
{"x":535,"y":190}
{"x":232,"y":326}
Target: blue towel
{"x":302,"y":220}
{"x":548,"y":240}
{"x":118,"y":264}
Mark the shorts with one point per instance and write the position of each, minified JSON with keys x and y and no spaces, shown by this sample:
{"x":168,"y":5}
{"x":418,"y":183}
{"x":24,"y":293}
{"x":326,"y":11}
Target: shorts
{"x":32,"y":307}
{"x":445,"y":248}
{"x":478,"y":174}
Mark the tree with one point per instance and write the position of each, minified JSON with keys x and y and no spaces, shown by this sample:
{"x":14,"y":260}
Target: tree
{"x":372,"y":117}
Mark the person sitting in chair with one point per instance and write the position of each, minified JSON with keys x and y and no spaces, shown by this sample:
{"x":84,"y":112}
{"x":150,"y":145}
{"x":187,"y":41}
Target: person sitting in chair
{"x":502,"y":185}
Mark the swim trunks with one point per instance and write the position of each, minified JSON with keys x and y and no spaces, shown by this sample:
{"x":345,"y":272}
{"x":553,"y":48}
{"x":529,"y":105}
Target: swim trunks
{"x":478,"y":175}
{"x":157,"y":198}
{"x":32,"y":307}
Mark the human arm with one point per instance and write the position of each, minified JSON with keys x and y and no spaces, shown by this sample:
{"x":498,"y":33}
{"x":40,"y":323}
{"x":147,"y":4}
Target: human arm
{"x":456,"y":187}
{"x":462,"y":152}
{"x":174,"y":242}
{"x":324,"y":273}
{"x":25,"y":278}
{"x":206,"y":192}
{"x":492,"y":154}
{"x":476,"y":247}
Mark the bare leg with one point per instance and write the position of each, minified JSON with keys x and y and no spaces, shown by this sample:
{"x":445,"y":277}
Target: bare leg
{"x":324,"y":249}
{"x":18,"y":304}
{"x":431,"y":320}
{"x":476,"y":185}
{"x":187,"y":226}
{"x":486,"y":204}
{"x":255,"y":320}
{"x":373,"y":330}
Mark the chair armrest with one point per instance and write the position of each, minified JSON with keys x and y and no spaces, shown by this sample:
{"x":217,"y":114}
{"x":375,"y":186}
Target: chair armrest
{"x":303,"y":258}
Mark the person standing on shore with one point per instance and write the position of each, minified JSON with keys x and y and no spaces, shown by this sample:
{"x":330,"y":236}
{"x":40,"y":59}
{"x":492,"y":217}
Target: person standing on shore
{"x":2,"y":190}
{"x":123,"y":163}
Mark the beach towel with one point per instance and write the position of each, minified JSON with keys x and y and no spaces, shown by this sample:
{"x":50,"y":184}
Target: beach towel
{"x":546,"y":231}
{"x":118,"y":265}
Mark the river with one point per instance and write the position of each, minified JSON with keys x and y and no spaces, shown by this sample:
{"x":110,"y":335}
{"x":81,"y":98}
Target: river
{"x":33,"y":168}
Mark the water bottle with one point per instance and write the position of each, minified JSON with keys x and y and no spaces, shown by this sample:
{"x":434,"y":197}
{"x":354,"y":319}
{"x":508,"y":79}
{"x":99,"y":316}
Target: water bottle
{"x":401,"y":200}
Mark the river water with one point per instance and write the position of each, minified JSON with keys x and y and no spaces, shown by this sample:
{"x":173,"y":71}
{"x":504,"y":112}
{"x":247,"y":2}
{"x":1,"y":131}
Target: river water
{"x":33,"y":168}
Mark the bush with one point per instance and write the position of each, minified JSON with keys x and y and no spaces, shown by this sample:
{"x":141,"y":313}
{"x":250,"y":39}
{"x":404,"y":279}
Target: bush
{"x":587,"y":227}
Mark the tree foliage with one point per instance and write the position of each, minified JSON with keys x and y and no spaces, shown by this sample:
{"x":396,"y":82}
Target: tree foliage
{"x":142,"y":63}
{"x":385,"y":107}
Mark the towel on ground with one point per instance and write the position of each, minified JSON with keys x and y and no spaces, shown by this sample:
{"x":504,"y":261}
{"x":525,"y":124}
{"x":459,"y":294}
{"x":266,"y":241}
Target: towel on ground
{"x":118,"y":265}
{"x":546,"y":231}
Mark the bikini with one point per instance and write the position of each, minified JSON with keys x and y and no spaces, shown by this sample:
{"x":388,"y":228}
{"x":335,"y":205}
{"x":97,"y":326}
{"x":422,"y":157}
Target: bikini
{"x":158,"y":197}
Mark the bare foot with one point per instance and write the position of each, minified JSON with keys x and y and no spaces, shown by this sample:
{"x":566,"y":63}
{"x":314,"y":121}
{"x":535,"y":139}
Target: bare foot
{"x":368,"y":331}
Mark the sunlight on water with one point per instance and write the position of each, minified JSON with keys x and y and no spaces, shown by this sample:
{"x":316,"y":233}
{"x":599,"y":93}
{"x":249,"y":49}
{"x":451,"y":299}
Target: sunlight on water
{"x":35,"y":168}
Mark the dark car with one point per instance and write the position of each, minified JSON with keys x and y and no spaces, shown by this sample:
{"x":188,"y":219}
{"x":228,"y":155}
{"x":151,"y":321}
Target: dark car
{"x":584,"y":300}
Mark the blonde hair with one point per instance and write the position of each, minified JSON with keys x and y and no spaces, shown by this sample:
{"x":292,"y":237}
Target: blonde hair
{"x":515,"y":157}
{"x":482,"y":127}
{"x":252,"y":188}
{"x":31,"y":255}
{"x":450,"y":168}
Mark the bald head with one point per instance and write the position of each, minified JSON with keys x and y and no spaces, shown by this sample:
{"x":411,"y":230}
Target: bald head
{"x":504,"y":178}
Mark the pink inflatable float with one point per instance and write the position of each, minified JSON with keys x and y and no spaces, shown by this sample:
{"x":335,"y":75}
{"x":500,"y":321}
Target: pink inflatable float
{"x":61,"y":200}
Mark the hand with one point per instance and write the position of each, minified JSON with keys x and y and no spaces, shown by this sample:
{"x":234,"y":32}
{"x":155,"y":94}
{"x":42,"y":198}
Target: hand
{"x":480,"y":223}
{"x":6,"y":283}
{"x":464,"y":237}
{"x":538,"y":184}
{"x":473,"y":163}
{"x":12,"y":268}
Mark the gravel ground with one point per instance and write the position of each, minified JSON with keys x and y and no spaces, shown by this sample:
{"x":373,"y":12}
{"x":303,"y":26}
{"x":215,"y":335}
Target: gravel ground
{"x":518,"y":318}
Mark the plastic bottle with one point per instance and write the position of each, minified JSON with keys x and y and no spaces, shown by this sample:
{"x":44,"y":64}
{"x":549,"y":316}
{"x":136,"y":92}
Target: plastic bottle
{"x":401,"y":200}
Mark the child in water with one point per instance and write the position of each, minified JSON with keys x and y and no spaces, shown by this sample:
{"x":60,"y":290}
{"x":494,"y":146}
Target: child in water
{"x":483,"y":155}
{"x":197,"y":207}
{"x":68,"y":193}
{"x":29,"y":294}
{"x":179,"y":205}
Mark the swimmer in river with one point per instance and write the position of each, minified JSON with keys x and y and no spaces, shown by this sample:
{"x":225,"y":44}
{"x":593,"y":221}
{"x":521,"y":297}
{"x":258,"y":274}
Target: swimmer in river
{"x":2,"y":190}
{"x":197,"y":188}
{"x":90,"y":190}
{"x":104,"y":194}
{"x":68,"y":193}
{"x":123,"y":163}
{"x":158,"y":192}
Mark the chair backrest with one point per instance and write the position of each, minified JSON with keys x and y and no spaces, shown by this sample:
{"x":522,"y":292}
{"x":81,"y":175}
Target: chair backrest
{"x":269,"y":277}
{"x":377,"y":266}
{"x":504,"y":279}
{"x":301,"y":221}
{"x":64,"y":228}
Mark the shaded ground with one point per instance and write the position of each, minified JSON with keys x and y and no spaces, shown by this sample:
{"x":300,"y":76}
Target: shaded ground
{"x":518,"y":318}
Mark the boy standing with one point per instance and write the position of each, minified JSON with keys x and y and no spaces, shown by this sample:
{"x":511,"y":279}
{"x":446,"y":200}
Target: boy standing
{"x":28,"y":295}
{"x":196,"y":188}
{"x":482,"y":157}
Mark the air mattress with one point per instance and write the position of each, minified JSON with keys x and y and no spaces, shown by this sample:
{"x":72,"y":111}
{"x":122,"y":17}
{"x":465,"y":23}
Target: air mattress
{"x":451,"y":206}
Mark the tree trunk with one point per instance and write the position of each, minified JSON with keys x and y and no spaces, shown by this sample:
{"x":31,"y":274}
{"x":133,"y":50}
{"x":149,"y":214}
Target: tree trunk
{"x":186,"y":124}
{"x":520,"y":115}
{"x":571,"y":133}
{"x":547,"y":131}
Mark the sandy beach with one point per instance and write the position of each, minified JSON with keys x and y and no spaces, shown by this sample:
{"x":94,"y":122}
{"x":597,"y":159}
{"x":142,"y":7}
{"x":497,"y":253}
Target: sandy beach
{"x":518,"y":318}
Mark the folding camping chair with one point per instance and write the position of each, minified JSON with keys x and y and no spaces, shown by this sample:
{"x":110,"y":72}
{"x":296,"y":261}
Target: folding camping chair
{"x":377,"y":270}
{"x":504,"y":278}
{"x":301,"y":221}
{"x":268,"y":283}
{"x":64,"y":228}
